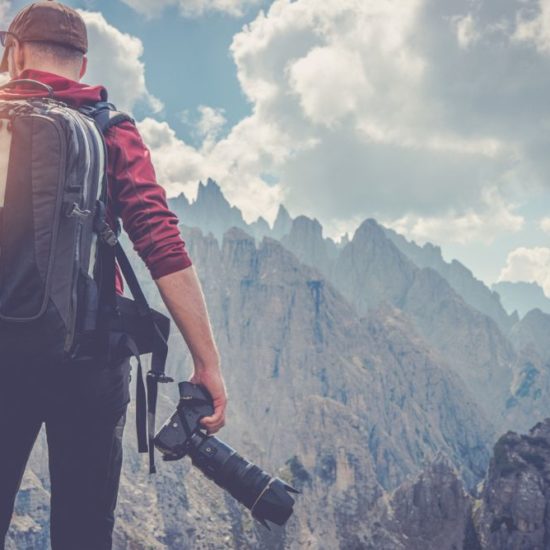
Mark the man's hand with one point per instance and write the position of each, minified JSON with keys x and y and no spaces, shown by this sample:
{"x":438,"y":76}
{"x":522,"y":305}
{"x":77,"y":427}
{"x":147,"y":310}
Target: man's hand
{"x":182,"y":293}
{"x":211,"y":378}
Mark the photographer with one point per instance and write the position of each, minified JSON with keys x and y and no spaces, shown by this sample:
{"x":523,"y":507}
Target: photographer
{"x":83,"y":405}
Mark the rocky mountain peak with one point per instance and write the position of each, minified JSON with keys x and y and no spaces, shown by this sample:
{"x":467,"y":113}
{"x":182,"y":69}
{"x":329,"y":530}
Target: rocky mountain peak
{"x":181,"y":200}
{"x":210,"y":194}
{"x":460,"y":278}
{"x":515,"y":499}
{"x":431,"y":511}
{"x":533,"y":333}
{"x":369,"y":230}
{"x":304,"y":227}
{"x":282,"y":224}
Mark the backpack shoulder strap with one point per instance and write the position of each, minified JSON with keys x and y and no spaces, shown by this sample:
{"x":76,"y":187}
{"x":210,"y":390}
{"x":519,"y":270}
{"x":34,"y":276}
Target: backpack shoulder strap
{"x":152,"y":335}
{"x":106,"y":115}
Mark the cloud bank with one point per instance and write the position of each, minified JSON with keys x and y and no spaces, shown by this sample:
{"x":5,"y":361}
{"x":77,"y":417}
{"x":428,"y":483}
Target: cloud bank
{"x":426,"y":114}
{"x":115,"y":60}
{"x":528,"y":264}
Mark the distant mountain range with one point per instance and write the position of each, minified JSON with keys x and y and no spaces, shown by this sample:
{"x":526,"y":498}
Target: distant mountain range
{"x":522,"y":297}
{"x":370,"y":373}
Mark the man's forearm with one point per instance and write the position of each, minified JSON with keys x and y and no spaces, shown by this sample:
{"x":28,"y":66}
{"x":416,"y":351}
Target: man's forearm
{"x":182,"y":293}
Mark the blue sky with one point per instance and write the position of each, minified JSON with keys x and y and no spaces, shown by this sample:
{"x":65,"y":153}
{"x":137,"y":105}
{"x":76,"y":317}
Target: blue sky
{"x":187,"y":60}
{"x":431,"y":116}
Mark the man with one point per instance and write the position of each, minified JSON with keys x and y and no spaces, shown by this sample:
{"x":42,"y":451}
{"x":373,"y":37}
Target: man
{"x":83,"y":406}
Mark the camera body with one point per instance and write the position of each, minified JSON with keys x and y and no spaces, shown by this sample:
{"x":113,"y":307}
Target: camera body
{"x":266,"y":497}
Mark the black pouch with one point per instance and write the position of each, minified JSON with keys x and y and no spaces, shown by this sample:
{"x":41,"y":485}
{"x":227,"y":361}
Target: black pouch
{"x":142,"y":329}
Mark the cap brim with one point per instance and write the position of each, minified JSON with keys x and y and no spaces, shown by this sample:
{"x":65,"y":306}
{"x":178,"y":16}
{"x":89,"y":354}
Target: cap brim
{"x":4,"y":67}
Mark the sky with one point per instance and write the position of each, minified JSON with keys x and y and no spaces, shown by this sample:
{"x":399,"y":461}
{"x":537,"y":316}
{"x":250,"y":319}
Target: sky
{"x":431,"y":116}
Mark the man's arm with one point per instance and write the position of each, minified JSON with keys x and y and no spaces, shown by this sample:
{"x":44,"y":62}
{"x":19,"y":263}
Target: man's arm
{"x":141,"y":203}
{"x":182,"y":293}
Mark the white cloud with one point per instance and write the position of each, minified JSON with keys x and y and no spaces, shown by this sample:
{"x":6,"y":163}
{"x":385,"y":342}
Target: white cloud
{"x":466,"y":32}
{"x":179,"y":166}
{"x":210,"y":124}
{"x":483,"y":225}
{"x":330,"y":83}
{"x":545,"y":225}
{"x":536,"y":29}
{"x":529,"y":265}
{"x":404,"y":110}
{"x":115,"y":61}
{"x":192,"y":8}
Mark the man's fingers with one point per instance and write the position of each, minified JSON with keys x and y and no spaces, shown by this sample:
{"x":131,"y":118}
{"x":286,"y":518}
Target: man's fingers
{"x":215,"y":422}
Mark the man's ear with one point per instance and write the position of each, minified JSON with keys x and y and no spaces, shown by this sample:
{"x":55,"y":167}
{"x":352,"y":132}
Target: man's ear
{"x":83,"y":67}
{"x":16,"y":59}
{"x":19,"y":57}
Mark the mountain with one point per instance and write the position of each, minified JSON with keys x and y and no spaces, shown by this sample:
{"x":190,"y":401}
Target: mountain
{"x":344,"y":407}
{"x":510,"y":512}
{"x":356,"y":373}
{"x":211,"y":210}
{"x":522,"y":297}
{"x":462,"y":280}
{"x":371,"y":270}
{"x":513,"y":509}
{"x":305,"y":239}
{"x":282,"y":224}
{"x":455,"y":313}
{"x":432,"y":510}
{"x":532,"y":334}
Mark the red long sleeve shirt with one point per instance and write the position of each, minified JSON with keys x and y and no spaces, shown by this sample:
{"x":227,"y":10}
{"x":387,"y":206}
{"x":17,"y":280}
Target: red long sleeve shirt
{"x":134,"y":194}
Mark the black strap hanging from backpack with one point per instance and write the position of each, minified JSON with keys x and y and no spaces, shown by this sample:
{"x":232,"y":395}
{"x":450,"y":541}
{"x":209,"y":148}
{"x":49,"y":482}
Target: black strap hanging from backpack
{"x":138,"y":327}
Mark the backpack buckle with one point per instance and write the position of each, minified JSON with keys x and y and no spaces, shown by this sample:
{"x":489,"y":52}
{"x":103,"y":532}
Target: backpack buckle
{"x":107,"y":235}
{"x":102,"y":228}
{"x":74,"y":211}
{"x":159,"y":377}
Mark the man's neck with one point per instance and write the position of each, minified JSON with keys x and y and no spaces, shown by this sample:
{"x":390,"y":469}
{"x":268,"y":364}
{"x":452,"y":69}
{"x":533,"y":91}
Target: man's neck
{"x":60,"y":71}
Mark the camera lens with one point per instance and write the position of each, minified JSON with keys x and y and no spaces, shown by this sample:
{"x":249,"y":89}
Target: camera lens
{"x":266,"y":497}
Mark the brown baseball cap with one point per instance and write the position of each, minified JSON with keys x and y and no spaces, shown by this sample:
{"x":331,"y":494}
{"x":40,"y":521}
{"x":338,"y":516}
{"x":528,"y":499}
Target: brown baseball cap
{"x":48,"y":21}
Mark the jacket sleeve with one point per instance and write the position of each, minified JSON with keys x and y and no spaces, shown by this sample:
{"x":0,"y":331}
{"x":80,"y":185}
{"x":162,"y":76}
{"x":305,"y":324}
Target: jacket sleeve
{"x":140,"y":202}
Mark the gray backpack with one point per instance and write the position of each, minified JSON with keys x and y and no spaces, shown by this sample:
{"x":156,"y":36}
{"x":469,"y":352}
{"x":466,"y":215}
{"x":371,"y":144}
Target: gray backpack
{"x":57,"y":252}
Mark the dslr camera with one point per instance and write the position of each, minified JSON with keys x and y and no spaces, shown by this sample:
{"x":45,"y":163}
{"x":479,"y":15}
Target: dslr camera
{"x":267,"y":497}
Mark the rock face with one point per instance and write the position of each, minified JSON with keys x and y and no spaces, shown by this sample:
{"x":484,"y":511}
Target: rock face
{"x":532,"y":334}
{"x":282,"y":224}
{"x":514,"y":512}
{"x":522,"y":297}
{"x":371,"y":270}
{"x":343,"y":406}
{"x":431,"y":511}
{"x":211,"y":211}
{"x":367,"y":381}
{"x":459,"y":277}
{"x":306,"y":241}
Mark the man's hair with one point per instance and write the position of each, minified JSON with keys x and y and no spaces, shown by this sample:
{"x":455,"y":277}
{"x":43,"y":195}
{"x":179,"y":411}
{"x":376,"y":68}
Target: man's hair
{"x":64,"y":55}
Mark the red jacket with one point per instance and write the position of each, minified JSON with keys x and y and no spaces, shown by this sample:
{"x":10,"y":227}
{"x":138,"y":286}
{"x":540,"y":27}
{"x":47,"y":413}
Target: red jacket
{"x":134,"y":194}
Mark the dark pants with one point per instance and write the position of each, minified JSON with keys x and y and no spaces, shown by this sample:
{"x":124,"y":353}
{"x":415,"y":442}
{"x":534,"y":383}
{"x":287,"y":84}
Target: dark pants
{"x":83,"y":406}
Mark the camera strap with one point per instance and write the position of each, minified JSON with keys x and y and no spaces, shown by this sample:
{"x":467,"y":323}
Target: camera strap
{"x":145,"y":330}
{"x":159,"y":353}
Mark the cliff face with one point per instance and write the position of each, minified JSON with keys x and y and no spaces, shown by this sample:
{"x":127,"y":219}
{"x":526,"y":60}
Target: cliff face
{"x":431,"y":511}
{"x":342,"y":406}
{"x":532,"y":334}
{"x":364,"y":379}
{"x":514,"y":511}
{"x":371,"y":270}
{"x":510,"y":513}
{"x":459,"y":277}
